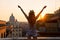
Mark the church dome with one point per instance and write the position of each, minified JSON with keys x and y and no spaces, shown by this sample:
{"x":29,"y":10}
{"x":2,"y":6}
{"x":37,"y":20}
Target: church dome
{"x":12,"y":18}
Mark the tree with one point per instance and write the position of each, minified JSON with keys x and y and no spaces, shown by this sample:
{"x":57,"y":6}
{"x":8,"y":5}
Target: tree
{"x":57,"y":12}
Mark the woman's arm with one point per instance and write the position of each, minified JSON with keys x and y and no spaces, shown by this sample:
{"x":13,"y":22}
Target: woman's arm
{"x":40,"y":12}
{"x":23,"y":12}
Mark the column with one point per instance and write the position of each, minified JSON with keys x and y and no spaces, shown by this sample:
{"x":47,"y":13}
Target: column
{"x":3,"y":34}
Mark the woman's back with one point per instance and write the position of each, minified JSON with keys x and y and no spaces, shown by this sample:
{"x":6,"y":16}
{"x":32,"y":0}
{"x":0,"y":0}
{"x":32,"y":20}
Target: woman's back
{"x":31,"y":18}
{"x":31,"y":21}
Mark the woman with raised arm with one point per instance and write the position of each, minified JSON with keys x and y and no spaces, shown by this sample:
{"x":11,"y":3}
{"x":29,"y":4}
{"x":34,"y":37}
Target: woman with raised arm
{"x":32,"y":20}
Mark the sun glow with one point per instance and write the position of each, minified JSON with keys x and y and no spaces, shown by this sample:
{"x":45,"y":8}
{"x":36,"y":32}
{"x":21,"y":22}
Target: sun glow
{"x":42,"y":15}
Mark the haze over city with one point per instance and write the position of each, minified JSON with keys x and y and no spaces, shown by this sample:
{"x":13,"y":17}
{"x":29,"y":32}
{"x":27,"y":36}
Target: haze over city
{"x":7,"y":7}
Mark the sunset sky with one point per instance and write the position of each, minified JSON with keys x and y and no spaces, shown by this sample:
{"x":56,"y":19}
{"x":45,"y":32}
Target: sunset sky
{"x":7,"y":7}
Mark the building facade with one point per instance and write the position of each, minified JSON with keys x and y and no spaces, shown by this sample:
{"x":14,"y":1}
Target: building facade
{"x":16,"y":30}
{"x":51,"y":23}
{"x":2,"y":29}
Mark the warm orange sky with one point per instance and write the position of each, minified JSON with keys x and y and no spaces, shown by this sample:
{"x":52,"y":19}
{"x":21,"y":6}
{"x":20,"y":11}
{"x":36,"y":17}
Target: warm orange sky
{"x":7,"y":7}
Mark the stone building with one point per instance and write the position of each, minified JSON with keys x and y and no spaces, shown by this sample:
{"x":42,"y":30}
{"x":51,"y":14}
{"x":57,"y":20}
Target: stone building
{"x":16,"y":30}
{"x":51,"y":26}
{"x":51,"y":23}
{"x":2,"y":29}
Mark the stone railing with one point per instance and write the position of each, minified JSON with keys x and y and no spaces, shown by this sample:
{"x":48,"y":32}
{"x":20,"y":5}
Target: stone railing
{"x":25,"y":38}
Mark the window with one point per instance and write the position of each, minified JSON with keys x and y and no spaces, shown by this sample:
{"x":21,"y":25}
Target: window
{"x":2,"y":25}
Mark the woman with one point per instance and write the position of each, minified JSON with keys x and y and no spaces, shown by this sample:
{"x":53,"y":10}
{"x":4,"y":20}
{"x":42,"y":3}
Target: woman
{"x":32,"y":20}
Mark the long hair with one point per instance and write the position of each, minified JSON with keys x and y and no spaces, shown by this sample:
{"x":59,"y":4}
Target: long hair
{"x":31,"y":18}
{"x":31,"y":14}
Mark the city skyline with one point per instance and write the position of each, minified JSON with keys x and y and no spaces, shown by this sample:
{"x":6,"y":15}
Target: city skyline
{"x":7,"y":7}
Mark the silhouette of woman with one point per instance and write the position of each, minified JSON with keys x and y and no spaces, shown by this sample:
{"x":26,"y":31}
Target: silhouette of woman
{"x":32,"y":20}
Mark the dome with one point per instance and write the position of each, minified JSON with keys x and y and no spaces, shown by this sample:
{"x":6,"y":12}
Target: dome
{"x":12,"y":18}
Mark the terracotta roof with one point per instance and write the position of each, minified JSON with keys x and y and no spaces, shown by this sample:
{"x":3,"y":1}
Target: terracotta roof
{"x":55,"y":18}
{"x":2,"y":22}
